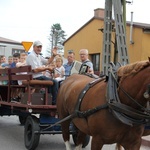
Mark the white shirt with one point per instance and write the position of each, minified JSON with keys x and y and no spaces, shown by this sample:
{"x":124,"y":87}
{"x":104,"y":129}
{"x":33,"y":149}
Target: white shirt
{"x":19,"y":64}
{"x":36,"y":61}
{"x":61,"y":72}
{"x":88,"y":63}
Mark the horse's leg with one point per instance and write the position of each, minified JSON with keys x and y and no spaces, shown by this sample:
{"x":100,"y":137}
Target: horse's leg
{"x":118,"y":147}
{"x":68,"y":146}
{"x":66,"y":133}
{"x":96,"y":143}
{"x":80,"y":140}
{"x":133,"y":145}
{"x":79,"y":147}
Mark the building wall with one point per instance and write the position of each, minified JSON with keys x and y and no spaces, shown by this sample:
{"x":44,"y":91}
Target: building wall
{"x":145,"y":46}
{"x":140,"y":50}
{"x":7,"y":49}
{"x":89,"y":37}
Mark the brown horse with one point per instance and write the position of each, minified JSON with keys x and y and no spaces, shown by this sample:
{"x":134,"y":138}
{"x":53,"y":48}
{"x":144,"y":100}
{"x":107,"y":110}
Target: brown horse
{"x":145,"y":133}
{"x":102,"y":125}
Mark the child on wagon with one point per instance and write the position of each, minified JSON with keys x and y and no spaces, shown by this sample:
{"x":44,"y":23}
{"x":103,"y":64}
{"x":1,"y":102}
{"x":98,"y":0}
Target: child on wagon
{"x":59,"y":72}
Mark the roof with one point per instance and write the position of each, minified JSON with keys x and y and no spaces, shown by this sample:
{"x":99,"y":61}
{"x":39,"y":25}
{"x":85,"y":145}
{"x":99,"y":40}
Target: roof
{"x":135,"y":24}
{"x":9,"y":41}
{"x":140,"y":25}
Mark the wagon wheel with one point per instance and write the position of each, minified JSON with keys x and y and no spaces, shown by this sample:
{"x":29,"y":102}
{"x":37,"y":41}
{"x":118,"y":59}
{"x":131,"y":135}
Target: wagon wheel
{"x":74,"y":137}
{"x":22,"y":119}
{"x":31,"y":138}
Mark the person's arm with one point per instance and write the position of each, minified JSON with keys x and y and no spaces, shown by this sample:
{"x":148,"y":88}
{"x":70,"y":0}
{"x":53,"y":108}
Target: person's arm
{"x":90,"y":67}
{"x":19,"y":64}
{"x":54,"y":53}
{"x":90,"y":71}
{"x":62,"y":72}
{"x":41,"y":69}
{"x":2,"y":67}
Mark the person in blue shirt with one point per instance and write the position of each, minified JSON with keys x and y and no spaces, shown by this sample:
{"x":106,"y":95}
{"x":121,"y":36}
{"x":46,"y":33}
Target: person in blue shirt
{"x":4,"y":64}
{"x":10,"y":60}
{"x":16,"y":58}
{"x":69,"y":64}
{"x":2,"y":59}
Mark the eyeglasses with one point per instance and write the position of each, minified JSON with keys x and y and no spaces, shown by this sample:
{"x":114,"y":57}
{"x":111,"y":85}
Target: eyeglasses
{"x":39,"y":46}
{"x":82,"y":54}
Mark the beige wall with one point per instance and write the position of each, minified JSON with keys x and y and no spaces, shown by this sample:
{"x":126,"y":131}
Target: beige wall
{"x":140,"y":50}
{"x":89,"y":37}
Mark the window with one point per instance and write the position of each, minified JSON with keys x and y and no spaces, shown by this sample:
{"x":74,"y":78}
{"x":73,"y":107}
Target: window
{"x":95,"y":58}
{"x":17,"y":51}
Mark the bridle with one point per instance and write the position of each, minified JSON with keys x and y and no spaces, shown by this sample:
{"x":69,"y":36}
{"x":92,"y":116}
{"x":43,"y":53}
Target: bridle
{"x":124,"y":113}
{"x":129,"y":96}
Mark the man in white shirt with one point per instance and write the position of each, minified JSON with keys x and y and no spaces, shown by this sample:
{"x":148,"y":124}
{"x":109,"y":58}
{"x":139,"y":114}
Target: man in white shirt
{"x":38,"y":63}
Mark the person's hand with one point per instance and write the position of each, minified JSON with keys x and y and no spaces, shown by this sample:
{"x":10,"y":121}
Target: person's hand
{"x":57,"y":75}
{"x":90,"y":71}
{"x":54,"y":51}
{"x":50,"y":68}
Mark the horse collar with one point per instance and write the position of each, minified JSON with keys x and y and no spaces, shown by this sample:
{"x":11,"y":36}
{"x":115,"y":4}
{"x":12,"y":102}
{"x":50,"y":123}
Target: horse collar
{"x":84,"y":91}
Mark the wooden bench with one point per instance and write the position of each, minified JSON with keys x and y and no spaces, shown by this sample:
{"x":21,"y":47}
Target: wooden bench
{"x":4,"y":88}
{"x":25,"y":74}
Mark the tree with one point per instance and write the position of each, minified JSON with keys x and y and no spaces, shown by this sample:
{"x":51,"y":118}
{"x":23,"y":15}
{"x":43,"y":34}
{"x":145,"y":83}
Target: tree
{"x":57,"y":37}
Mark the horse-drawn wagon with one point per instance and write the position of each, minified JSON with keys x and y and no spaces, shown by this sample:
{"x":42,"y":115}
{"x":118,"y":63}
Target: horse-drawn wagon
{"x":106,"y":110}
{"x":34,"y":108}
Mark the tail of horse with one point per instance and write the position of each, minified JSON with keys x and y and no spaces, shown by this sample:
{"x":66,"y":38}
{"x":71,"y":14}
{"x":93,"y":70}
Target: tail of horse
{"x":118,"y":147}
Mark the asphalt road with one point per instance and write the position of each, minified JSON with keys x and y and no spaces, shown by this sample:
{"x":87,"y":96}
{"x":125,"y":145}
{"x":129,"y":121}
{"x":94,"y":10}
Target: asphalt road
{"x":12,"y":137}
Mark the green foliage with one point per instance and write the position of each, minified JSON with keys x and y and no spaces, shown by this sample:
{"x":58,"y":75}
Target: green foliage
{"x":56,"y":37}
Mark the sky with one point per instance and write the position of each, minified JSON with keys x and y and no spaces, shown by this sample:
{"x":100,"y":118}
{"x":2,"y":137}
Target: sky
{"x":30,"y":20}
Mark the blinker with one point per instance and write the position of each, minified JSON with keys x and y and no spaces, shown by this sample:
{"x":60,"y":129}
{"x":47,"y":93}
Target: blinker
{"x":147,"y":93}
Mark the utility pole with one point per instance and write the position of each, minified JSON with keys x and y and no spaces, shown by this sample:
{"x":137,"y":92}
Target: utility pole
{"x":124,"y":12}
{"x":120,"y":49}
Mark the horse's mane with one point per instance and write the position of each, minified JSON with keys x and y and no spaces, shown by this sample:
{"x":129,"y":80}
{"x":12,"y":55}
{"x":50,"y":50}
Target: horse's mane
{"x":133,"y":68}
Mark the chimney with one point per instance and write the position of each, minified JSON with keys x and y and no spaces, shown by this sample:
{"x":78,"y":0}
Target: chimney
{"x":99,"y":12}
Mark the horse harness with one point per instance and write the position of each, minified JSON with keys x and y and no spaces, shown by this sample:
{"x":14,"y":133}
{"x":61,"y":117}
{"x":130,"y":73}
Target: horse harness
{"x":77,"y":112}
{"x":122,"y":112}
{"x":83,"y":114}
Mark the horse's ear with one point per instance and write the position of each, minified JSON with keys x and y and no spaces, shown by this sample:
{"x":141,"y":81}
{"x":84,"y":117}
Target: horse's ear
{"x":149,"y":59}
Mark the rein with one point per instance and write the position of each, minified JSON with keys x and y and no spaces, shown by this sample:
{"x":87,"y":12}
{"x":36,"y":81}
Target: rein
{"x":89,"y":112}
{"x":84,"y":91}
{"x":131,"y":98}
{"x":77,"y":112}
{"x":124,"y":113}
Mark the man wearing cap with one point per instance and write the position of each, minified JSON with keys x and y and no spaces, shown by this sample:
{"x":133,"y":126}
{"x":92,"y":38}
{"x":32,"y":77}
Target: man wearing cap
{"x":37,"y":61}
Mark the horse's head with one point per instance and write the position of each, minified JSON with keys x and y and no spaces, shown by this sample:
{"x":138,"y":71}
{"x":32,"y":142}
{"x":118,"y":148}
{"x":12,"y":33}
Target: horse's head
{"x":135,"y":81}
